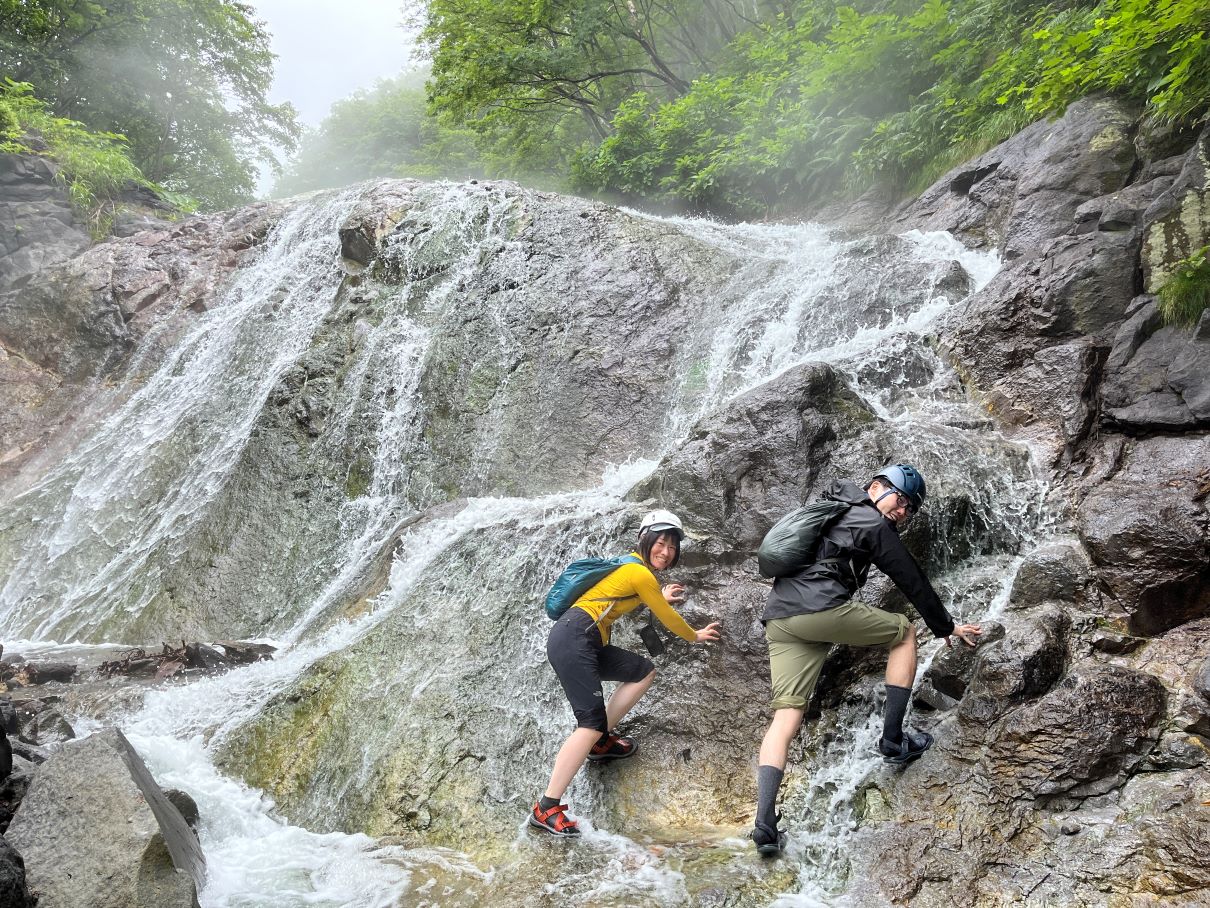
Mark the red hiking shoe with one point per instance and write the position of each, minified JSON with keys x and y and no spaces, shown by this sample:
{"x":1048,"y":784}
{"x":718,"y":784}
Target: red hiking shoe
{"x":613,"y":747}
{"x":554,"y":821}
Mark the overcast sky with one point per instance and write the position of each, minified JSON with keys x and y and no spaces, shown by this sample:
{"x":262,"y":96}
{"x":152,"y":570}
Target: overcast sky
{"x":327,"y":49}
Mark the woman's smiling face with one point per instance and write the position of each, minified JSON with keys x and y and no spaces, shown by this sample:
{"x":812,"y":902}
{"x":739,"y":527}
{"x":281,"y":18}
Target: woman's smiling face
{"x":663,"y":551}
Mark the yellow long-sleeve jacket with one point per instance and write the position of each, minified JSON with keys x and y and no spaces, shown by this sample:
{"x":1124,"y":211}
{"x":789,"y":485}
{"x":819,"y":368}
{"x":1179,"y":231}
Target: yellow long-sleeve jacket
{"x":626,"y":589}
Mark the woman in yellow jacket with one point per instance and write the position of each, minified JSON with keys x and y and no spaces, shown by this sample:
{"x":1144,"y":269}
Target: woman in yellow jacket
{"x":580,"y":653}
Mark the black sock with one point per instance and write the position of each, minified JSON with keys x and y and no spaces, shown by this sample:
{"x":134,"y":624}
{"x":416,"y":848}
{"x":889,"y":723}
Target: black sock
{"x":768,"y":783}
{"x":896,"y":705}
{"x":547,"y":803}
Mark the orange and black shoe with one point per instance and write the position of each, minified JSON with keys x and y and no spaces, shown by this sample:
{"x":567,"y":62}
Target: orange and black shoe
{"x":554,"y":820}
{"x":613,"y":747}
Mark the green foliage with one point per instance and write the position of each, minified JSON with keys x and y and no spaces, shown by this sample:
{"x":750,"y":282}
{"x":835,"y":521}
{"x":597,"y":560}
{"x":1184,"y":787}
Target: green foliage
{"x":1186,"y":293}
{"x":799,"y":101}
{"x":549,"y":76}
{"x":185,"y":81}
{"x":1153,"y":50}
{"x":94,"y":166}
{"x":383,"y":132}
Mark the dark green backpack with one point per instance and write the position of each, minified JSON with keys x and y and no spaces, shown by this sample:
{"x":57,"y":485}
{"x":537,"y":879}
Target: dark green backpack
{"x":790,"y":546}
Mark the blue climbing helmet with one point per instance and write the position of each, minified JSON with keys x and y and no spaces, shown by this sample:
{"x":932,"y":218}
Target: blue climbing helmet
{"x":907,"y":480}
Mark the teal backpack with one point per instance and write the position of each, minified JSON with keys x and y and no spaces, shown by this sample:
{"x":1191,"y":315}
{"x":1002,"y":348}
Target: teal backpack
{"x":578,"y":578}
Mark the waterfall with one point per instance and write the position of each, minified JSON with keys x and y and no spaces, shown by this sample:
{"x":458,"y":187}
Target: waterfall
{"x":455,"y":628}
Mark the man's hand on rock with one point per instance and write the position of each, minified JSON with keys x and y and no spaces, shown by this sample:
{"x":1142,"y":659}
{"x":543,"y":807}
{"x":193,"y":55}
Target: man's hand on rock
{"x":967,"y":633}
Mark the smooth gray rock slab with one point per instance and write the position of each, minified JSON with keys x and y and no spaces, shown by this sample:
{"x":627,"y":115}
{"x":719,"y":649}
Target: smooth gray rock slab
{"x":96,"y":831}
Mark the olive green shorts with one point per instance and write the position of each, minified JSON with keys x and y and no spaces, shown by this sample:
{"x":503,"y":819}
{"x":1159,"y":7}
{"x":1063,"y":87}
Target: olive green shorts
{"x":798,"y":645}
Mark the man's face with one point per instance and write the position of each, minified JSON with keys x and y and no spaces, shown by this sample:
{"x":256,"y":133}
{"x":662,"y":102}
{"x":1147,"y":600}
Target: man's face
{"x":895,"y":507}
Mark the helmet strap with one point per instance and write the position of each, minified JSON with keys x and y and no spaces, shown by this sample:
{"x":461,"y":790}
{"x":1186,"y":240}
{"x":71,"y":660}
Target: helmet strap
{"x":890,"y":491}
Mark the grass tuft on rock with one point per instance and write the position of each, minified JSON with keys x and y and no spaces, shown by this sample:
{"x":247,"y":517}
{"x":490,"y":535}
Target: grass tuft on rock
{"x":95,"y":167}
{"x":1186,"y":293}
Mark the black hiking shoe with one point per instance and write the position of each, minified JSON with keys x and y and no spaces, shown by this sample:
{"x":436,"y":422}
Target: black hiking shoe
{"x":554,"y":820}
{"x":907,"y":750}
{"x":613,"y":747}
{"x":769,"y":842}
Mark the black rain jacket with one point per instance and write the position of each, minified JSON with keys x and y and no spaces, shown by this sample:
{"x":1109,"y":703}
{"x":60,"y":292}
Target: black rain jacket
{"x":860,"y":537}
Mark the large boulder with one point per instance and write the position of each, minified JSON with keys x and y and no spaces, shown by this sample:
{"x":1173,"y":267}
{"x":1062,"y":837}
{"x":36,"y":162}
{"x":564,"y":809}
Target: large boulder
{"x":96,"y":831}
{"x":1082,"y":738}
{"x":1026,"y":191}
{"x":1024,"y":664}
{"x":744,"y":467}
{"x":1033,"y":340}
{"x":1148,"y":533}
{"x":943,"y":683}
{"x":1157,"y":376}
{"x":1055,"y":572}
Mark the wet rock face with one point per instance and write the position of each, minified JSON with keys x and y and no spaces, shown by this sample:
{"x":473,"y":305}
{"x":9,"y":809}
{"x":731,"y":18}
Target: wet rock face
{"x":1027,"y":190}
{"x":944,"y":683}
{"x":78,"y":322}
{"x":741,"y":470}
{"x":37,"y":229}
{"x":1082,"y":723}
{"x":1029,"y":659}
{"x":1059,"y":340}
{"x":1048,"y":735}
{"x":1155,"y":375}
{"x":1056,"y":572}
{"x":1083,"y":738}
{"x":1034,"y":339}
{"x":1149,"y":539}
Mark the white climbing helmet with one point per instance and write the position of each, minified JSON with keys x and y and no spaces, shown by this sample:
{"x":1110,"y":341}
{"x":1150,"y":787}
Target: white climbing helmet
{"x":659,"y":521}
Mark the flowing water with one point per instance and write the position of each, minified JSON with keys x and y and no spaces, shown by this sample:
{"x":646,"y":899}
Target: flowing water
{"x":92,"y":541}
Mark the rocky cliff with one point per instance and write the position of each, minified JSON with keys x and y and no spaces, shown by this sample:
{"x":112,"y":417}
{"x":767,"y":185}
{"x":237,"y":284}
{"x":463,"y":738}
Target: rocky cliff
{"x":507,"y":346}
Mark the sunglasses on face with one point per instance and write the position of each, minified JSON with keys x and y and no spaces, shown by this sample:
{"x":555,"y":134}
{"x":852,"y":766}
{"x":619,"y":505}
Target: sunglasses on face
{"x":904,"y":502}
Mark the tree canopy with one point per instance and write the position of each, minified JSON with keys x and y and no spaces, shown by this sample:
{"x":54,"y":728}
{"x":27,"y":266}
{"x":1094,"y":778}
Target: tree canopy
{"x":185,"y":81}
{"x":750,"y":108}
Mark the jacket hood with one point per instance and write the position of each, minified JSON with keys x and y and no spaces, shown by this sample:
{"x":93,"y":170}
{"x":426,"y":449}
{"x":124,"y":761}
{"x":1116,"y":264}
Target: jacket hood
{"x":847,"y":491}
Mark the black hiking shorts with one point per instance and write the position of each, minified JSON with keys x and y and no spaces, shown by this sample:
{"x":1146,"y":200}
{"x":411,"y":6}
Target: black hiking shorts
{"x":582,"y":662}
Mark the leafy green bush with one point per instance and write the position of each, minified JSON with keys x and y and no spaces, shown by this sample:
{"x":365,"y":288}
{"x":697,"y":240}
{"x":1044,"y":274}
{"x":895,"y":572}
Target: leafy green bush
{"x":94,"y":166}
{"x":1186,"y":293}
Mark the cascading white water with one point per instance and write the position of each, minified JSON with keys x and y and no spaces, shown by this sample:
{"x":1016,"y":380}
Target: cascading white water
{"x":106,"y":517}
{"x":97,"y":531}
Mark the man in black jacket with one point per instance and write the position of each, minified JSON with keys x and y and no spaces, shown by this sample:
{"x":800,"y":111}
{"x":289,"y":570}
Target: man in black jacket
{"x":810,"y":611}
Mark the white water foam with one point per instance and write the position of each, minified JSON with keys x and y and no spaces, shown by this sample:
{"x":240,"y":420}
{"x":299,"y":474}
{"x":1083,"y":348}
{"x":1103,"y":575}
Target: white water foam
{"x":255,"y":856}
